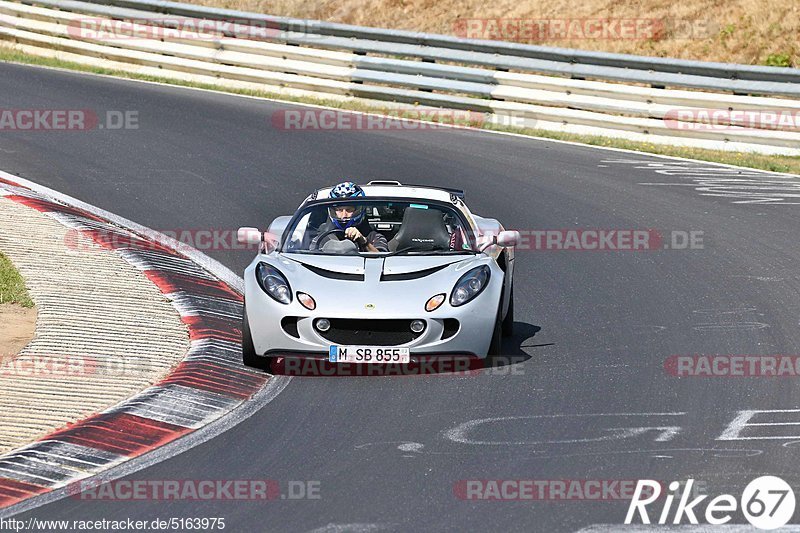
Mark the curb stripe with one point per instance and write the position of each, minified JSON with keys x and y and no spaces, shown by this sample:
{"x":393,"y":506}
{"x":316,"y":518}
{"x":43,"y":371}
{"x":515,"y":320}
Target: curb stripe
{"x":209,"y":383}
{"x":153,"y":260}
{"x":100,"y":231}
{"x":215,"y":351}
{"x":196,"y":376}
{"x":13,"y":491}
{"x":120,"y":240}
{"x":201,"y":327}
{"x":72,"y":455}
{"x":179,"y":406}
{"x":120,"y":433}
{"x":190,"y":304}
{"x":172,"y":283}
{"x":45,"y":206}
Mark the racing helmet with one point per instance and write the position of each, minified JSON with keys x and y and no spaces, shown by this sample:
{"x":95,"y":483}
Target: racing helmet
{"x":346,"y":189}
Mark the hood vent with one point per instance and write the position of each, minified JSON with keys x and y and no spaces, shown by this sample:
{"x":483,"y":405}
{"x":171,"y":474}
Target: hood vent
{"x":330,"y":274}
{"x":412,"y":275}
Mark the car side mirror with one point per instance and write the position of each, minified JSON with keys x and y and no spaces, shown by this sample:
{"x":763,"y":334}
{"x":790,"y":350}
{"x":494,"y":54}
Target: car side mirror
{"x":254,"y":237}
{"x":504,"y":239}
{"x":249,"y":236}
{"x":507,"y":239}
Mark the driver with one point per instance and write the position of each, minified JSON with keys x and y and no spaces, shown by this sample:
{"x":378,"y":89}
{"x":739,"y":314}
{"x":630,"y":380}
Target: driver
{"x":351,"y":220}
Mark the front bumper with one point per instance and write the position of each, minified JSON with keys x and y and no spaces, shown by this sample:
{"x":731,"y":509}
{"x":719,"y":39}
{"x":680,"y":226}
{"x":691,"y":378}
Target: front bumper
{"x":464,"y":331}
{"x":270,"y":337}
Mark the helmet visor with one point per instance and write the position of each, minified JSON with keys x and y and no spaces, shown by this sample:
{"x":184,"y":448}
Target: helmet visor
{"x":346,"y":214}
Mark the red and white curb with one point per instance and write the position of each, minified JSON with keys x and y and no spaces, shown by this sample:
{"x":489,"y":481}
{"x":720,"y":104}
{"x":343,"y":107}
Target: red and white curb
{"x":207,"y":384}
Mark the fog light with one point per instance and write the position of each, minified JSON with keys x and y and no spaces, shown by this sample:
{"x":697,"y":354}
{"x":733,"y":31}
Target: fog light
{"x":323,"y":324}
{"x":307,"y":301}
{"x":434,"y":302}
{"x":417,"y":326}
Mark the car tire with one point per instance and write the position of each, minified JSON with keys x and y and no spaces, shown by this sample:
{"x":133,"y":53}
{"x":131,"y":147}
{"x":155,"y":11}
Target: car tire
{"x":495,"y":346}
{"x":508,"y":320}
{"x":249,"y":356}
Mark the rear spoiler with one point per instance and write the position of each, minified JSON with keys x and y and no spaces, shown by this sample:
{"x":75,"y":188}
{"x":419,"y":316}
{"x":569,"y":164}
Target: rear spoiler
{"x":391,"y":183}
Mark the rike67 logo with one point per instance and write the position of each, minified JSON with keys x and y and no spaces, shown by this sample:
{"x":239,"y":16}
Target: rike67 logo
{"x":767,"y":502}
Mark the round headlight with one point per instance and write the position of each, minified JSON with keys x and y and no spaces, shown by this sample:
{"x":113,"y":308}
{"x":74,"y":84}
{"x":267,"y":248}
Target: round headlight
{"x":417,"y":326}
{"x":323,"y":324}
{"x":460,"y":296}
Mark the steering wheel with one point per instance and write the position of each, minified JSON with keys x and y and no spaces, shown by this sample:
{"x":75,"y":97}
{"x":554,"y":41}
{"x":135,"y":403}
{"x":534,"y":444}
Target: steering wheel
{"x":316,"y":240}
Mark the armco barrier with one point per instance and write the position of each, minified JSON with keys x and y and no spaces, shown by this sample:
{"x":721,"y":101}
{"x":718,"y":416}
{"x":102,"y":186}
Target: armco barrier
{"x":395,"y":37}
{"x":330,"y":60}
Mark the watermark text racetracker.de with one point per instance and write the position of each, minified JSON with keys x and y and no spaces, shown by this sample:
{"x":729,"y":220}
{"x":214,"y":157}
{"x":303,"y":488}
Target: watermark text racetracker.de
{"x":545,"y":489}
{"x":132,"y":490}
{"x":58,"y":366}
{"x":532,"y":30}
{"x":444,"y":365}
{"x":609,"y":239}
{"x":732,"y":119}
{"x":403,"y":118}
{"x":79,"y":241}
{"x":168,"y":28}
{"x":67,"y":120}
{"x":733,"y":366}
{"x":574,"y":239}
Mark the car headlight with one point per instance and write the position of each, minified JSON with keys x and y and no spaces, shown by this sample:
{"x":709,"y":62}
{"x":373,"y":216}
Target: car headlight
{"x":470,"y":285}
{"x":273,"y":283}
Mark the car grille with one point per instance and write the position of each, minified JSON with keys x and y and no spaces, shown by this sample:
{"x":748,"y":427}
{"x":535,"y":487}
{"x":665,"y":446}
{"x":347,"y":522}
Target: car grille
{"x":369,"y":332}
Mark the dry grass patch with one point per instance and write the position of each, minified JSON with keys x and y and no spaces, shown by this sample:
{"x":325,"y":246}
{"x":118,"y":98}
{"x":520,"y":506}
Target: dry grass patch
{"x":758,"y":32}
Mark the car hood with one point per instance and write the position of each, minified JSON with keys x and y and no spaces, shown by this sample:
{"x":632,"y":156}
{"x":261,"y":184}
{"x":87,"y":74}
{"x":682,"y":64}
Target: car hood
{"x":342,"y":264}
{"x":372,"y":287}
{"x":395,"y":265}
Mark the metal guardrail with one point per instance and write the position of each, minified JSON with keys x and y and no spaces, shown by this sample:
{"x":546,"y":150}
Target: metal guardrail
{"x":331,"y":60}
{"x":659,"y":72}
{"x":561,"y":55}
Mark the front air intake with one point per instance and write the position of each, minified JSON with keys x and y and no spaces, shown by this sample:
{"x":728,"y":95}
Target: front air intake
{"x":377,"y":332}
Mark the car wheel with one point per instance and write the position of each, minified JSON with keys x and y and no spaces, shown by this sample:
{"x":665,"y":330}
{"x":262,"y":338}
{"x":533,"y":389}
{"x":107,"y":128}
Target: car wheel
{"x":249,"y":356}
{"x":508,"y":321}
{"x":495,"y":346}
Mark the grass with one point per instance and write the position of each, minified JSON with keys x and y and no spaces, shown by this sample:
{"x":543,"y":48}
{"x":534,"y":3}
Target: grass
{"x":774,"y":163}
{"x":12,"y":286}
{"x":778,"y":60}
{"x":734,"y":31}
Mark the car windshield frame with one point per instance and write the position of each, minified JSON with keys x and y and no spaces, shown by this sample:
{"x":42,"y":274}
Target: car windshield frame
{"x":304,"y":209}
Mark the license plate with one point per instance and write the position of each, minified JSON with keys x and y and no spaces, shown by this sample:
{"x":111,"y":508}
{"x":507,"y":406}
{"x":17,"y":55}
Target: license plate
{"x":368,"y":354}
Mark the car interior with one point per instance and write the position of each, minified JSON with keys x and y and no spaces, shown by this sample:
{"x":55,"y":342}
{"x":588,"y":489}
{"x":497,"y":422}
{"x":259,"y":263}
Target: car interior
{"x":406,"y":226}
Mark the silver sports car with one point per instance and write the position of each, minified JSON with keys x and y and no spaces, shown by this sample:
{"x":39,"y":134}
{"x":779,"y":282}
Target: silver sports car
{"x":379,"y":273}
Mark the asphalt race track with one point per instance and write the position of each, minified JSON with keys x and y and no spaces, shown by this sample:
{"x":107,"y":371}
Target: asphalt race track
{"x":588,"y":396}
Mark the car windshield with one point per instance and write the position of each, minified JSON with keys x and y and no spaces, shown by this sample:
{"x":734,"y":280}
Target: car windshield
{"x":380,"y":227}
